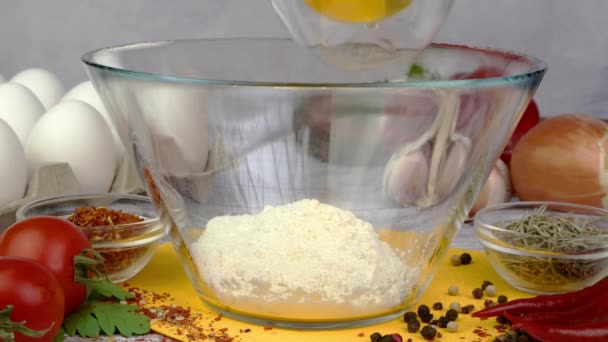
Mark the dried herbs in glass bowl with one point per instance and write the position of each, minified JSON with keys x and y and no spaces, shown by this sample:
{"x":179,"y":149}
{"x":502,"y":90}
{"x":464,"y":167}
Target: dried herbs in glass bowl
{"x":545,"y":247}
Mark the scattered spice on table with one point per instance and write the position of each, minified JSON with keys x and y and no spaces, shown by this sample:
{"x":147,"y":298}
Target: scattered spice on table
{"x":182,"y":321}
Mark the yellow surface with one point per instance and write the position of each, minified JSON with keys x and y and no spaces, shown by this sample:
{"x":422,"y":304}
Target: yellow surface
{"x":165,"y":274}
{"x":358,"y":11}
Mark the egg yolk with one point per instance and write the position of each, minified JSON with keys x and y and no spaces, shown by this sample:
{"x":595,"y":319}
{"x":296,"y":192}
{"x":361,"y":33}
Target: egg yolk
{"x":358,"y":11}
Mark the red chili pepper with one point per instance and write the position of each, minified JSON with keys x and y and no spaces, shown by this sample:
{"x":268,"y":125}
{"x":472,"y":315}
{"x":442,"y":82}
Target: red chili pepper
{"x":586,"y":332}
{"x":555,"y":302}
{"x":589,"y":312}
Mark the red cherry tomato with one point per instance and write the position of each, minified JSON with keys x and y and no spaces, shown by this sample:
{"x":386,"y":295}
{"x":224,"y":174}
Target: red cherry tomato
{"x":53,"y":242}
{"x":36,"y":295}
{"x":529,"y":119}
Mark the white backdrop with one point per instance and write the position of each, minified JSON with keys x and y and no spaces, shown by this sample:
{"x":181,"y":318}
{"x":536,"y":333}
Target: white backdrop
{"x":569,"y":35}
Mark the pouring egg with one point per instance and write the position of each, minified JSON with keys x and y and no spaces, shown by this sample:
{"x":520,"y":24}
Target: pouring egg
{"x":363,"y":34}
{"x":358,"y":11}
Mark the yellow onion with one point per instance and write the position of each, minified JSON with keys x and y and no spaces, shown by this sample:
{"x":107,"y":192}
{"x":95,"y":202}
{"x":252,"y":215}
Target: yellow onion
{"x":563,"y":159}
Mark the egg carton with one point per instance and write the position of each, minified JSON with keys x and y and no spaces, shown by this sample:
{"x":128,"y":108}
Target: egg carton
{"x":55,"y":179}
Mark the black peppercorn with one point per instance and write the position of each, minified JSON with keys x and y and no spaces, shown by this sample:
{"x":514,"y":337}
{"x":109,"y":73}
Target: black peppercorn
{"x":423,"y":309}
{"x":413,"y":325}
{"x":467,"y":309}
{"x":428,"y":332}
{"x":488,"y":303}
{"x":451,"y":314}
{"x":375,"y":337}
{"x":437,"y":306}
{"x":502,"y":299}
{"x":408,"y":316}
{"x":426,"y":318}
{"x":443,"y":322}
{"x":502,"y":320}
{"x":434,"y":322}
{"x":465,"y":258}
{"x":387,"y":338}
{"x":478,"y":293}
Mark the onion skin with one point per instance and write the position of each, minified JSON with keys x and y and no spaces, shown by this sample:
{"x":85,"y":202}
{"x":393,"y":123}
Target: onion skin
{"x":562,"y":159}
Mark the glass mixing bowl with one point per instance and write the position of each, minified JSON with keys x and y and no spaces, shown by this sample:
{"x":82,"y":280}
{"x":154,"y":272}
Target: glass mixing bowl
{"x":300,"y":194}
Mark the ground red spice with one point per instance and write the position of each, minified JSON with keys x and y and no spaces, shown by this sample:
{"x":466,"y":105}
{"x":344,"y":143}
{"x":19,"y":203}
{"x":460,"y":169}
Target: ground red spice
{"x":116,"y":259}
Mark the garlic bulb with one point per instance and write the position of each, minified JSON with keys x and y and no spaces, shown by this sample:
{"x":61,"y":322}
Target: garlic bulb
{"x":496,"y":190}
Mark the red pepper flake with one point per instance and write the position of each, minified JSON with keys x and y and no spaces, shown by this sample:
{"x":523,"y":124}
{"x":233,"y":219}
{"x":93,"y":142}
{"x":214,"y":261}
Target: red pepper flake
{"x":183,"y":320}
{"x":101,"y":216}
{"x":267,"y":328}
{"x":361,"y":334}
{"x":102,"y":223}
{"x":480,"y":332}
{"x":500,"y":328}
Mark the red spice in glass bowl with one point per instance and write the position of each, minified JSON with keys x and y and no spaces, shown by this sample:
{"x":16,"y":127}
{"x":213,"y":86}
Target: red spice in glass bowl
{"x":123,"y":228}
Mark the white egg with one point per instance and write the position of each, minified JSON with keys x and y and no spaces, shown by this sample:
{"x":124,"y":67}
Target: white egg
{"x":86,"y":92}
{"x":20,"y":108}
{"x":13,"y":167}
{"x":178,"y":124}
{"x":43,"y":83}
{"x":2,"y":79}
{"x":74,"y":132}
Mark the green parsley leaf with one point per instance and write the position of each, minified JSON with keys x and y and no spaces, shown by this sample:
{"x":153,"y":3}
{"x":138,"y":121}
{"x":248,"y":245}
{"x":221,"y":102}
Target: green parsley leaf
{"x":416,"y":70}
{"x":60,"y":335}
{"x":96,"y":316}
{"x":418,"y":73}
{"x":105,"y":289}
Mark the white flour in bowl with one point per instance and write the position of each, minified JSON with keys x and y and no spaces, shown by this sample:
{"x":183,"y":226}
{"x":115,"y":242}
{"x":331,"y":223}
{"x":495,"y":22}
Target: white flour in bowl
{"x":304,"y":257}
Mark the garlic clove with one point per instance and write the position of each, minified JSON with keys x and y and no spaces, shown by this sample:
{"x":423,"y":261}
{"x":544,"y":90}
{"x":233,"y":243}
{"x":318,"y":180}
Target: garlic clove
{"x":497,"y":188}
{"x":452,"y":168}
{"x":406,"y":176}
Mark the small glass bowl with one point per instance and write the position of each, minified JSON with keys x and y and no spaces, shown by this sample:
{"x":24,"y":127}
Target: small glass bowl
{"x":544,"y":264}
{"x":127,"y":248}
